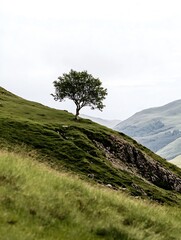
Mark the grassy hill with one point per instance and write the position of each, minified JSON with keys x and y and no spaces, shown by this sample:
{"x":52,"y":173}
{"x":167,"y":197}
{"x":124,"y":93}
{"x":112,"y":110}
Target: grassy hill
{"x":67,"y":179}
{"x":92,"y":151}
{"x":37,"y":202}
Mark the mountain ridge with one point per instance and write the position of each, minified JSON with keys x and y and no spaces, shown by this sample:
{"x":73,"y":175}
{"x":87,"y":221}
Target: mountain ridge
{"x":156,"y":128}
{"x":101,"y":121}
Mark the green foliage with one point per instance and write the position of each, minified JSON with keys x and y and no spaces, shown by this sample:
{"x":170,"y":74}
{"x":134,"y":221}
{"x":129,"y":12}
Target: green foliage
{"x":82,"y":88}
{"x":37,"y":202}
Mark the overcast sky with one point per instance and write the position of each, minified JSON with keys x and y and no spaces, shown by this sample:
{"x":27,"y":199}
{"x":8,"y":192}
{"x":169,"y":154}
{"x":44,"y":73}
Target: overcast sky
{"x":132,"y":46}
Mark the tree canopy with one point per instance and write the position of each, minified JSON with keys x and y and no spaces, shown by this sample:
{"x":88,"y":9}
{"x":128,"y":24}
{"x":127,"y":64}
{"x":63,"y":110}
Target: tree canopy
{"x":82,"y":88}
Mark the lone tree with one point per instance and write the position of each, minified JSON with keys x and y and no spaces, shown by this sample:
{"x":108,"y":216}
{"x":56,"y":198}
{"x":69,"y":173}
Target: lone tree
{"x":82,"y":88}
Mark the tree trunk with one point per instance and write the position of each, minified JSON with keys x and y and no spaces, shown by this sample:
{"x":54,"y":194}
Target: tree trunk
{"x":77,"y":113}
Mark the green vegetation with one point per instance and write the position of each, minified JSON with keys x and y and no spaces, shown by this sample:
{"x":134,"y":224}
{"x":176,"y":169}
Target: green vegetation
{"x":68,"y":144}
{"x":37,"y":202}
{"x":82,"y":88}
{"x":53,"y":177}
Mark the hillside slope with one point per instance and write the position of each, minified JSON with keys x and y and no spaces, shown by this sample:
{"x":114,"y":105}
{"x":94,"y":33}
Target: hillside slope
{"x":159,"y":129}
{"x":88,"y":149}
{"x":37,"y":202}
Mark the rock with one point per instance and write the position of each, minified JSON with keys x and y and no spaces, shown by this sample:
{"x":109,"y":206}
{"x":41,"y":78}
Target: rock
{"x":91,"y":175}
{"x":129,"y":158}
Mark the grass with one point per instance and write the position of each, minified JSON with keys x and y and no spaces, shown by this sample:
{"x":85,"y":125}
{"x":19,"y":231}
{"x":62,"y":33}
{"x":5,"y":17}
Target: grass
{"x":69,"y":144}
{"x":37,"y":202}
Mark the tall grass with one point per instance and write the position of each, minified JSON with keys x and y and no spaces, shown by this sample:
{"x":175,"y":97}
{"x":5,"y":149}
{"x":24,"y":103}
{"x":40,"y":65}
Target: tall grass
{"x":37,"y":202}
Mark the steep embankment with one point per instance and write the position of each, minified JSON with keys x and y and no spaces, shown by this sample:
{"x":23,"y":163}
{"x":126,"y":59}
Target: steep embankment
{"x":159,"y":129}
{"x":90,"y":150}
{"x":37,"y":202}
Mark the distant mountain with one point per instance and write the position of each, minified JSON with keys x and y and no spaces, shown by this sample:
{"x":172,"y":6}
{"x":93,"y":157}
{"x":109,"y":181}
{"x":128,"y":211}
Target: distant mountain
{"x":176,"y":161}
{"x":158,"y":128}
{"x":104,"y":122}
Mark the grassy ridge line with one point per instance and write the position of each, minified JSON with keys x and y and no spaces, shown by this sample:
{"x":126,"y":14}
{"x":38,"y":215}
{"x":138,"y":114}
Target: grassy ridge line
{"x":37,"y":202}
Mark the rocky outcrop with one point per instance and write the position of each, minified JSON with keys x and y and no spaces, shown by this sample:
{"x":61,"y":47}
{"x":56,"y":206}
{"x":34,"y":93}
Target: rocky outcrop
{"x":129,"y":158}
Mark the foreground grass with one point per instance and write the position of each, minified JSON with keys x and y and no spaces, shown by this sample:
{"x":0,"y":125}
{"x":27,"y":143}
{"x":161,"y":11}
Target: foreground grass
{"x":37,"y":202}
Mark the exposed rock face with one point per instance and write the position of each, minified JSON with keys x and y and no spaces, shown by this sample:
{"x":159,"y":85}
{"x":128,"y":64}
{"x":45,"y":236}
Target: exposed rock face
{"x":127,"y":157}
